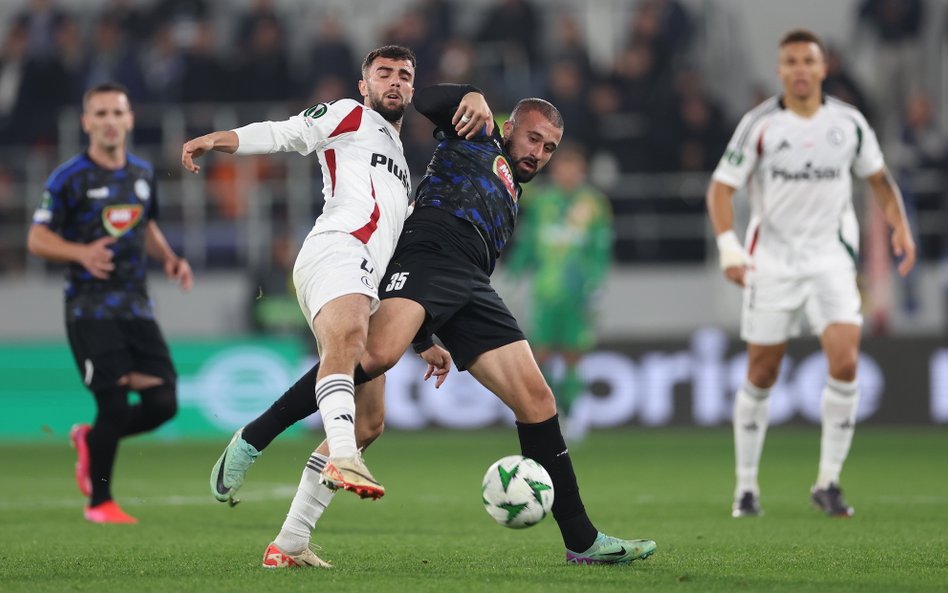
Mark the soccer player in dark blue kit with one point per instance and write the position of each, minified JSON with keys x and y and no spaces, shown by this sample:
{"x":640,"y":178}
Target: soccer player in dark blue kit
{"x":438,"y":283}
{"x":98,"y":215}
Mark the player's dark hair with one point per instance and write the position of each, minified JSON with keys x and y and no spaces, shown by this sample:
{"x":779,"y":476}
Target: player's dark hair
{"x":392,"y":52}
{"x":802,"y":36}
{"x":542,"y":106}
{"x":105,"y":87}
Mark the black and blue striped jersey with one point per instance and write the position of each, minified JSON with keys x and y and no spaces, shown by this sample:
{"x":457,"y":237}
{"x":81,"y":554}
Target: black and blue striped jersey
{"x":471,"y":179}
{"x":84,"y":202}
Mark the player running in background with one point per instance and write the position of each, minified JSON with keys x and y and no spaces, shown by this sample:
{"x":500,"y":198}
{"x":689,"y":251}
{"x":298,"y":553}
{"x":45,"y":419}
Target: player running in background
{"x":337,"y":272}
{"x":438,"y":282}
{"x":565,"y":239}
{"x":99,"y":215}
{"x":795,"y":152}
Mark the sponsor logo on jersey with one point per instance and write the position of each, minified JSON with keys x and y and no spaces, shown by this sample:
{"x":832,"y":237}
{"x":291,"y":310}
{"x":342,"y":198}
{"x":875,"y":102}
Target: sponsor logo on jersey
{"x":98,"y":193}
{"x":316,"y":111}
{"x":121,"y":218}
{"x":502,"y":169}
{"x":382,"y":161}
{"x":386,"y":132}
{"x":807,"y":173}
{"x":142,"y":190}
{"x":784,"y":145}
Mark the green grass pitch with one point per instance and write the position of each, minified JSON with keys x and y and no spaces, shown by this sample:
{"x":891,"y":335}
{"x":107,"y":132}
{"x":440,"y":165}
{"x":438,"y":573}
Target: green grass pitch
{"x":430,"y":533}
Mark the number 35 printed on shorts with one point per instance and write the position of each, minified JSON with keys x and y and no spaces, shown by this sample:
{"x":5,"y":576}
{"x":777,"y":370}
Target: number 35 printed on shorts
{"x":397,"y":281}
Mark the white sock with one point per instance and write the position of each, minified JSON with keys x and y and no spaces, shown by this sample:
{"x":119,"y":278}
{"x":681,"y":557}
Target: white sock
{"x":335,"y":396}
{"x":312,"y":498}
{"x":839,"y":421}
{"x":751,"y":415}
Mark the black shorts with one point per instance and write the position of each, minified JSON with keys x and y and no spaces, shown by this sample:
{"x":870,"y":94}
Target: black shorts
{"x":106,"y":349}
{"x":463,"y":309}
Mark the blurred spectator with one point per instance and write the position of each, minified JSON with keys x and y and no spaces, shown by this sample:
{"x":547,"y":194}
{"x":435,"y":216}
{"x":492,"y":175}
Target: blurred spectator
{"x":112,"y":60}
{"x":206,"y":78}
{"x":184,"y":13}
{"x":508,"y":39}
{"x":570,"y":45}
{"x":41,"y":18}
{"x":264,"y":73}
{"x":260,"y":12}
{"x":665,"y":26}
{"x":331,"y":55}
{"x":274,"y":309}
{"x":130,"y":18}
{"x":164,"y":66}
{"x":895,"y":68}
{"x":842,"y":85}
{"x":413,"y":30}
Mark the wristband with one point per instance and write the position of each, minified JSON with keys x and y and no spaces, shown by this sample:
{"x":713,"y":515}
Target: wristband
{"x":730,"y":252}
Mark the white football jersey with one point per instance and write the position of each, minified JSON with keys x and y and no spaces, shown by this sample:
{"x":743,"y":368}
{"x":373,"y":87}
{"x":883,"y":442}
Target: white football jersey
{"x":366,"y":182}
{"x":797,"y":173}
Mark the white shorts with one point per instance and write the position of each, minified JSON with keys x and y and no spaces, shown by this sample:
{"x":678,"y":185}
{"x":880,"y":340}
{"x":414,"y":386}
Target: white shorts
{"x":330,"y":265}
{"x":776,"y":309}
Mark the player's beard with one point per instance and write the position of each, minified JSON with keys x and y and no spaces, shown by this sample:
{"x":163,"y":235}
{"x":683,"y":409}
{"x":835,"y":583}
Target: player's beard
{"x":391,"y":114}
{"x":519,"y":176}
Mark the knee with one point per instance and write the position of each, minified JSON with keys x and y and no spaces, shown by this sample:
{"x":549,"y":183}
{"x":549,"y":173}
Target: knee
{"x":160,"y":402}
{"x":536,"y":404}
{"x":378,"y":360}
{"x":844,"y":370}
{"x":763,"y":376}
{"x":368,"y":429}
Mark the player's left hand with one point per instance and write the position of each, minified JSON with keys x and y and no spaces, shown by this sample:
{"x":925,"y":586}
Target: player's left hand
{"x":903,"y":246}
{"x":179,"y":270}
{"x":472,"y":115}
{"x":439,"y":364}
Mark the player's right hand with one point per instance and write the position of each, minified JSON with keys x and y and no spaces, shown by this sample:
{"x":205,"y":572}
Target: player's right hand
{"x":193,"y":149}
{"x":96,"y":257}
{"x":439,"y":364}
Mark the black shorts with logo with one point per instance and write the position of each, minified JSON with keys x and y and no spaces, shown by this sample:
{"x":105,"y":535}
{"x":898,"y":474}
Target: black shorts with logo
{"x":106,"y":349}
{"x":441,"y":262}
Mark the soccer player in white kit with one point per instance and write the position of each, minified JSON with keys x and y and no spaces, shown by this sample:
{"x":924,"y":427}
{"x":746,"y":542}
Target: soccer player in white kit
{"x":794,"y":153}
{"x":367,"y":194}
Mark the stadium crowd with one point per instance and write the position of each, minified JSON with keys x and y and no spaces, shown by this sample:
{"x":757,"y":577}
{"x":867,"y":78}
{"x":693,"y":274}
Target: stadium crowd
{"x":648,"y":111}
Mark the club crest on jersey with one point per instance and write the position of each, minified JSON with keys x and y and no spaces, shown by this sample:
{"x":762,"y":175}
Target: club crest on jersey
{"x":121,"y":218}
{"x":142,"y":190}
{"x":502,"y":169}
{"x":835,"y":136}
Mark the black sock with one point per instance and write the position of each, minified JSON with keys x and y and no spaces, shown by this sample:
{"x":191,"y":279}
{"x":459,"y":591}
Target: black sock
{"x":158,"y":405}
{"x":543,"y":442}
{"x":298,"y":402}
{"x":110,"y":424}
{"x":360,"y":376}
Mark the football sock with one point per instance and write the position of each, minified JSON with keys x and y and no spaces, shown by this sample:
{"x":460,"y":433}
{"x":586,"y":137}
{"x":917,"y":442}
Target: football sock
{"x":158,"y":405}
{"x":296,"y":403}
{"x":839,"y":420}
{"x":110,"y":424}
{"x":751,"y":414}
{"x":543,"y":442}
{"x":312,"y":498}
{"x":335,"y":398}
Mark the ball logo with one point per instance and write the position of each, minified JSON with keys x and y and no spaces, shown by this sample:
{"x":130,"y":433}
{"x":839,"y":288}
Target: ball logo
{"x":120,"y":219}
{"x":502,"y":169}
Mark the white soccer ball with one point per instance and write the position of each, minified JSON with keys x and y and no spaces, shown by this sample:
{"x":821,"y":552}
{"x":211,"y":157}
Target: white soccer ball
{"x":517,"y":492}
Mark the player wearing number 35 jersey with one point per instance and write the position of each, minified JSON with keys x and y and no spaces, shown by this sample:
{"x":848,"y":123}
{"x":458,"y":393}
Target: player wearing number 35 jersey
{"x":796,"y":154}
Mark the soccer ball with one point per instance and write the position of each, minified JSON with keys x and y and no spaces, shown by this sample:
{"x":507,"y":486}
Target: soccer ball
{"x":517,"y":492}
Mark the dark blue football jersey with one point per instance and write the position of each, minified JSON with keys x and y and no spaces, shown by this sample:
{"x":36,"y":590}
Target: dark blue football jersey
{"x":472,"y":179}
{"x":83,"y":202}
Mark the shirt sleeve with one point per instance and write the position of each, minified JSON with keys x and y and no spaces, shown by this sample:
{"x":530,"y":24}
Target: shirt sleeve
{"x":868,"y":159}
{"x":52,"y":209}
{"x":307,"y":132}
{"x":439,"y":102}
{"x":740,"y":158}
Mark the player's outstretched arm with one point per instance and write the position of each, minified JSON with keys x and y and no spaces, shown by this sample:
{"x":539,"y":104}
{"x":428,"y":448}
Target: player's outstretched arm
{"x":889,"y":198}
{"x":223,"y":141}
